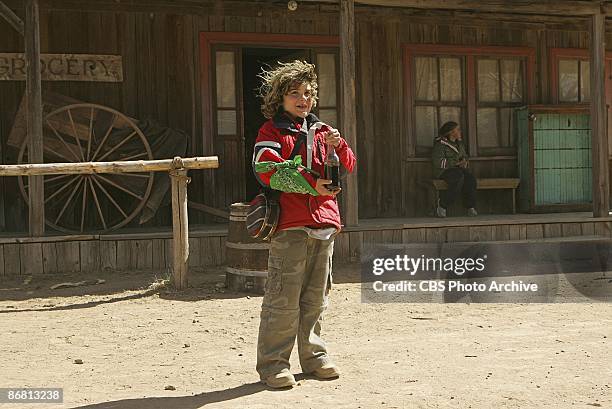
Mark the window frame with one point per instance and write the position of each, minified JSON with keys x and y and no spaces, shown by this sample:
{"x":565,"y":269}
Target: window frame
{"x":558,"y":54}
{"x":469,"y":56}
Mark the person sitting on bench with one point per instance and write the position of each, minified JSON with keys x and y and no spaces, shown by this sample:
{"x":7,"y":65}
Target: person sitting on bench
{"x":450,"y":163}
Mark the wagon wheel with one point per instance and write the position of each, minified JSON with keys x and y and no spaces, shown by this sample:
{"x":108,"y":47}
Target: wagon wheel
{"x":91,"y":202}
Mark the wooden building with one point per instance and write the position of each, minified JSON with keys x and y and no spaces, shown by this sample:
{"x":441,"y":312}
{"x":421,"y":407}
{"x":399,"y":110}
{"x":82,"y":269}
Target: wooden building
{"x":193,"y":65}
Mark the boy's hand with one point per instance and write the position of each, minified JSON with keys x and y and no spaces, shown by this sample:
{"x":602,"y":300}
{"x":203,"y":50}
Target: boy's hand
{"x":332,"y":137}
{"x":322,"y":189}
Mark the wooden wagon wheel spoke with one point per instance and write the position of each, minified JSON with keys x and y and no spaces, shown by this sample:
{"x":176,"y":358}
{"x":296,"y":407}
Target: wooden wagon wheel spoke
{"x":110,"y":182}
{"x":49,"y":179}
{"x":108,"y":131}
{"x":95,"y":196}
{"x":61,"y":213}
{"x":137,"y":175}
{"x":119,"y":145}
{"x":54,"y":178}
{"x":84,"y":206}
{"x":60,"y":190}
{"x":143,"y":154}
{"x":62,"y":140}
{"x":76,"y":135}
{"x":91,"y":117}
{"x":110,"y":197}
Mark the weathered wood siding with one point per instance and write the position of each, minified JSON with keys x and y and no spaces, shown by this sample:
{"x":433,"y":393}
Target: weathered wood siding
{"x":159,"y":44}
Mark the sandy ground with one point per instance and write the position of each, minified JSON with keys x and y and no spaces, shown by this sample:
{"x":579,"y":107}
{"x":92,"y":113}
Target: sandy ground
{"x":134,"y":343}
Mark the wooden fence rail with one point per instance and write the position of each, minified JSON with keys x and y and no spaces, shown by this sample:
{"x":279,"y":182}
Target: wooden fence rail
{"x":177,"y":169}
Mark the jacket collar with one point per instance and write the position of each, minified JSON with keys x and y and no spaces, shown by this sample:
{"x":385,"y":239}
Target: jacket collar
{"x":447,"y":142}
{"x":283,"y":121}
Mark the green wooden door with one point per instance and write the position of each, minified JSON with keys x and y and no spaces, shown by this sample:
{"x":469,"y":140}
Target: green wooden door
{"x":562,"y":159}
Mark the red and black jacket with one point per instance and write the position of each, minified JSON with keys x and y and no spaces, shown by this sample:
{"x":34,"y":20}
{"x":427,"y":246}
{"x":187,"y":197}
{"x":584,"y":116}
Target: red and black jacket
{"x":275,"y":142}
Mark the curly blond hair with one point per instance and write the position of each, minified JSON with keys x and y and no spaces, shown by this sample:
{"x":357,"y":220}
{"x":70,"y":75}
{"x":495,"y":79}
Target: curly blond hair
{"x":278,"y":82}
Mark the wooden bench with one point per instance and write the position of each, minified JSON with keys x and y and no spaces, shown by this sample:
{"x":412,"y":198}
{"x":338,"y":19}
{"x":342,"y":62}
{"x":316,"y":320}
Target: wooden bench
{"x":489,"y":183}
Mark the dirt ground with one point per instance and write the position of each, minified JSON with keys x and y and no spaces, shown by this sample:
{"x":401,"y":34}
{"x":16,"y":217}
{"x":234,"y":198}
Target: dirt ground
{"x":134,"y":343}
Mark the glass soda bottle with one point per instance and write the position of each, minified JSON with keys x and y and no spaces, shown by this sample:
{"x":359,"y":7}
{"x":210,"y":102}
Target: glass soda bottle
{"x":332,"y":168}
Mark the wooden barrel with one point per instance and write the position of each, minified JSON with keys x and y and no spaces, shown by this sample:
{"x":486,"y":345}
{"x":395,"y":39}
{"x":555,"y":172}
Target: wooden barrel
{"x":247,"y":258}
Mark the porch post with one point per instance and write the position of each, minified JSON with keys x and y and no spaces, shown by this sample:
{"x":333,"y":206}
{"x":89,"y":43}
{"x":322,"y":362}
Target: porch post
{"x":348,"y":106}
{"x":599,"y":144}
{"x":34,"y":117}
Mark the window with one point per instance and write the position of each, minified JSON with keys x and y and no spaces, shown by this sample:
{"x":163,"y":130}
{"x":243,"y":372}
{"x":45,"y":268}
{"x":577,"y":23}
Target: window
{"x":438,"y":96}
{"x":500,"y":91}
{"x":574,"y":83}
{"x":479,"y":88}
{"x":327,"y":104}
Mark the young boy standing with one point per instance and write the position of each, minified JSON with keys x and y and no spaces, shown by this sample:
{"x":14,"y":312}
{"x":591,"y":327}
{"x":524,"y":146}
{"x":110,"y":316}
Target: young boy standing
{"x":300,"y":259}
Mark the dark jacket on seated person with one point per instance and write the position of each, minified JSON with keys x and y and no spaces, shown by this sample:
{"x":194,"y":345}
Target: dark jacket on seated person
{"x":446,"y":154}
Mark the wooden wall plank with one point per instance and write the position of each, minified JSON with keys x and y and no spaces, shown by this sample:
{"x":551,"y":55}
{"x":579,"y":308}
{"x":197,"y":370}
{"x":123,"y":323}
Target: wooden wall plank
{"x":603,"y":228}
{"x":49,"y":258}
{"x":168,"y":253}
{"x":2,"y":261}
{"x":518,"y":232}
{"x":144,"y":251}
{"x":552,"y":230}
{"x":355,"y":244}
{"x":108,"y":255}
{"x":159,"y":255}
{"x":209,"y":251}
{"x":588,"y":229}
{"x":481,"y":233}
{"x":535,"y":231}
{"x":436,"y":235}
{"x":501,"y":232}
{"x":68,"y":256}
{"x":12,"y":260}
{"x":90,"y":256}
{"x":455,"y":234}
{"x":571,"y":229}
{"x":195,"y":252}
{"x":414,"y":235}
{"x":31,"y":258}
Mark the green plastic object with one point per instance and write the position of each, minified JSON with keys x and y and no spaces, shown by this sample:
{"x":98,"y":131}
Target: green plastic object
{"x":287,"y":177}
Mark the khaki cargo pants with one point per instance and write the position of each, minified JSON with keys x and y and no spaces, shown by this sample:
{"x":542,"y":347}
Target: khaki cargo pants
{"x":299,"y":279}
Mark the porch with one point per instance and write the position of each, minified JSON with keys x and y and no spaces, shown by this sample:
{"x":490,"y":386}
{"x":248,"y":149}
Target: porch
{"x":150,"y":250}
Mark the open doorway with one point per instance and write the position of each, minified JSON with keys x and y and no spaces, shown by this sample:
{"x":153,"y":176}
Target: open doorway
{"x":253,"y":60}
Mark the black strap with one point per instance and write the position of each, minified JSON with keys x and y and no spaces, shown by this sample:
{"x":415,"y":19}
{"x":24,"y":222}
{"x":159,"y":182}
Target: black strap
{"x":298,"y":144}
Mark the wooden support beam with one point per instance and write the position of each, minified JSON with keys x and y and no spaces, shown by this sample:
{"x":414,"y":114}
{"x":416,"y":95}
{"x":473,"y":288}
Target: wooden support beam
{"x":12,"y":18}
{"x":180,"y":226}
{"x":348,"y":108}
{"x":78,"y":168}
{"x":599,"y":145}
{"x":542,"y":7}
{"x":34,"y":117}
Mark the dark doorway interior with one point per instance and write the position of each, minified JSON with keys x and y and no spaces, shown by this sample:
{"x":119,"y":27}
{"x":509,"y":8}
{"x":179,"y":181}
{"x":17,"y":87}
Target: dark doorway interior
{"x":253,"y":59}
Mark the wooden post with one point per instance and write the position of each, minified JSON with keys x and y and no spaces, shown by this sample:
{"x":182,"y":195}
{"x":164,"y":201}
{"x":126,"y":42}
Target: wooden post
{"x":11,"y":17}
{"x":34,"y":117}
{"x":180,"y":224}
{"x":599,"y":145}
{"x":349,"y":112}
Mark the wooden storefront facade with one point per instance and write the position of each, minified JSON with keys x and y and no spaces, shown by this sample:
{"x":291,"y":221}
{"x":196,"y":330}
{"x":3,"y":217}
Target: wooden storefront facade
{"x":190,"y":65}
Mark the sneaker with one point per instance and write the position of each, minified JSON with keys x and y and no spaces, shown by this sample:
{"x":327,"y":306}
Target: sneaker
{"x":283,"y":379}
{"x":472,"y":212}
{"x":327,"y":371}
{"x":440,"y":211}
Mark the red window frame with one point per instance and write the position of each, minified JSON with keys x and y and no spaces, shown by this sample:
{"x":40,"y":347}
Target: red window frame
{"x":556,"y":54}
{"x":470,"y":54}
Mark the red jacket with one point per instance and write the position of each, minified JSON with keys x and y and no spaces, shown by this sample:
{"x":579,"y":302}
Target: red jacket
{"x":275,"y":142}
